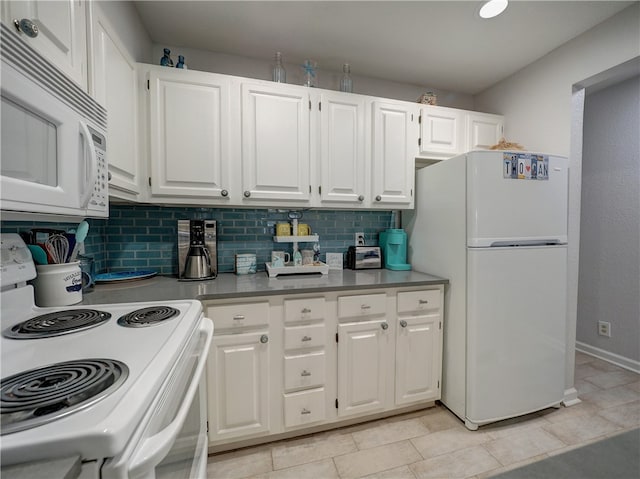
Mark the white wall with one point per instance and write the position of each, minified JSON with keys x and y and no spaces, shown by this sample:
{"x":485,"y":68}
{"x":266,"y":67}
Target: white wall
{"x":536,"y":101}
{"x":609,"y":279}
{"x":251,"y":68}
{"x":124,"y":18}
{"x":538,"y":105}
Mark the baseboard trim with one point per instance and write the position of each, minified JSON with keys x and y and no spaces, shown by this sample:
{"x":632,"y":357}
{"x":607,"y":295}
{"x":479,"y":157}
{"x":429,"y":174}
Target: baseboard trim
{"x":623,"y":362}
{"x":571,"y":397}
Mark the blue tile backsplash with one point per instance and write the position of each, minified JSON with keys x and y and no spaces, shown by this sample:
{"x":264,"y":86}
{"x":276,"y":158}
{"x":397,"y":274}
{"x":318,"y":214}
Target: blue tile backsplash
{"x":144,"y":237}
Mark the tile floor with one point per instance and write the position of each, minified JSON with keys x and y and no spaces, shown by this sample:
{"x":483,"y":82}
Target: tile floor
{"x":433,"y":443}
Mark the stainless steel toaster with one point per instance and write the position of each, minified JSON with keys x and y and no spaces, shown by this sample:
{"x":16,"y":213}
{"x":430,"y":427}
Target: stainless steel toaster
{"x":364,"y":257}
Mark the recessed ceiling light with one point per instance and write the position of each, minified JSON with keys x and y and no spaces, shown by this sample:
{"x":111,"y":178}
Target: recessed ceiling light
{"x":493,"y":8}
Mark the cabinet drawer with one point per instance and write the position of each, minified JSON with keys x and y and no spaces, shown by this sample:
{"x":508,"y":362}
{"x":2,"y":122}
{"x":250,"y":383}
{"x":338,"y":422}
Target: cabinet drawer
{"x":416,"y":301}
{"x":304,"y":371}
{"x":304,"y":407}
{"x":305,"y":309}
{"x":311,"y":336}
{"x":362,"y":305}
{"x":226,"y":316}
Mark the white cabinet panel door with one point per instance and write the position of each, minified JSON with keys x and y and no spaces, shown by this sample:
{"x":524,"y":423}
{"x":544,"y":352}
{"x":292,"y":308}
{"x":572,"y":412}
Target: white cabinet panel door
{"x":275,"y":143}
{"x":189,"y":133}
{"x":62,"y":36}
{"x":394,"y":135}
{"x":418,"y":359}
{"x":341,"y":149}
{"x":483,"y":130}
{"x":114,"y":85}
{"x":363,"y":357}
{"x":441,"y":132}
{"x":238,"y":381}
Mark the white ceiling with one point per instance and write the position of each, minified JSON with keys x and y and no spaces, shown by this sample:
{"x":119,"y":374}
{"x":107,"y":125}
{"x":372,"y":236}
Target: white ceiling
{"x":434,"y":44}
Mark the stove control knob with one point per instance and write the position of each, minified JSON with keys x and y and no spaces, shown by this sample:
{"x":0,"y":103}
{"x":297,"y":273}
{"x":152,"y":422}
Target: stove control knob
{"x":264,"y":339}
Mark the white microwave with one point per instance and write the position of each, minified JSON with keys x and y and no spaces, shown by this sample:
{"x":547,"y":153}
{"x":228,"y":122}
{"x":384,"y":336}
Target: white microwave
{"x":54,"y":148}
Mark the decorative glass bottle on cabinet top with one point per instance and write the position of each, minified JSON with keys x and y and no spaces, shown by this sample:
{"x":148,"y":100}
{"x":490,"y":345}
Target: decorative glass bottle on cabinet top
{"x":279,"y":74}
{"x":310,"y":75}
{"x":346,"y":83}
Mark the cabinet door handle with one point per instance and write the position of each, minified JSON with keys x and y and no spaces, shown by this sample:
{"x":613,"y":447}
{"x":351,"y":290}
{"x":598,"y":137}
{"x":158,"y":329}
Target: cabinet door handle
{"x":306,"y":338}
{"x":109,"y":176}
{"x":305,"y":373}
{"x":238,"y":317}
{"x":224,"y":193}
{"x":423,"y":301}
{"x":264,"y":339}
{"x":27,"y":27}
{"x":247,"y":194}
{"x":305,"y":411}
{"x":365,"y":306}
{"x":378,"y":198}
{"x":361,"y":198}
{"x":384,"y":326}
{"x":403,"y":323}
{"x":306,"y":311}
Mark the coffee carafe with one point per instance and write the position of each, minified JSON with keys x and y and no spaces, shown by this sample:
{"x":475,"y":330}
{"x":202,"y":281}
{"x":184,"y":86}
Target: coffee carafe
{"x":197,"y":255}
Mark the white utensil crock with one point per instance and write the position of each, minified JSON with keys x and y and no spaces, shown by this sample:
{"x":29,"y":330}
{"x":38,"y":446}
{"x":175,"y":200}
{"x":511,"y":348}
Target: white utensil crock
{"x":58,"y":284}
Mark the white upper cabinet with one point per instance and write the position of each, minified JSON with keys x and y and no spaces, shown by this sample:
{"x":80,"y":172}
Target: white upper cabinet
{"x":114,"y":85}
{"x":483,"y":130}
{"x":393,"y":151}
{"x":189,"y":132}
{"x":447,"y":132}
{"x":441,"y":131}
{"x":61,"y":32}
{"x":275,"y":143}
{"x":340,"y":147}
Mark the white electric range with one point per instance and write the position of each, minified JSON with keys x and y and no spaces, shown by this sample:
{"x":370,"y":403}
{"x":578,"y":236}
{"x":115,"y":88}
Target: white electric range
{"x":118,"y":385}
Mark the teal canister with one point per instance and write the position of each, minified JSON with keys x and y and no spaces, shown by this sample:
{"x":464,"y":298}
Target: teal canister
{"x":393,"y":242}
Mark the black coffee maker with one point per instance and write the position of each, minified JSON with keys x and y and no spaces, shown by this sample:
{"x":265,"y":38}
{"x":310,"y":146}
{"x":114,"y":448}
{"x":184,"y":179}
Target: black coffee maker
{"x":197,"y":250}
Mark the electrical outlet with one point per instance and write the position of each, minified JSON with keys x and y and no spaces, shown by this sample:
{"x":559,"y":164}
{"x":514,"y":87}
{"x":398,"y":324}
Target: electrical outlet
{"x":359,"y":239}
{"x":604,"y":328}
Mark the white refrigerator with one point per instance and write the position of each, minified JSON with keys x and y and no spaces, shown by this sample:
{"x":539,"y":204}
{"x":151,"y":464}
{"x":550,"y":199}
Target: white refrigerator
{"x":495,"y":224}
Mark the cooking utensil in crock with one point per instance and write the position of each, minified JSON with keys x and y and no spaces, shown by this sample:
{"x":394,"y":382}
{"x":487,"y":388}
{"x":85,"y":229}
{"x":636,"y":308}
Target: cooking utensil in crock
{"x":38,"y":254}
{"x":58,"y":247}
{"x":81,"y":235}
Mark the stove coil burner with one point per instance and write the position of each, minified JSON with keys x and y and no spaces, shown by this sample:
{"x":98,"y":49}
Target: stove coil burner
{"x":57,"y":323}
{"x":44,"y":394}
{"x":141,"y":318}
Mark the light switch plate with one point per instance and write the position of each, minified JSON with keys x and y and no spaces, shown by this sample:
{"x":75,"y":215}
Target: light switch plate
{"x":334,"y":260}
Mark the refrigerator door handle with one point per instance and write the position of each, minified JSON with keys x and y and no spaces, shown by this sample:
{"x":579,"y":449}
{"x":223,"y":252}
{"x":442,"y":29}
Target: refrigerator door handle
{"x":537,"y":242}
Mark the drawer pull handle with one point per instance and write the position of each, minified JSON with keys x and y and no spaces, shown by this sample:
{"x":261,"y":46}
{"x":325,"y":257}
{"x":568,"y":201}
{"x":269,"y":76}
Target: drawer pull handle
{"x":423,"y":301}
{"x":306,"y":311}
{"x":305,"y":373}
{"x":403,"y":323}
{"x":365,"y":306}
{"x":238,"y":317}
{"x":305,"y":411}
{"x":306,"y":338}
{"x":264,"y":339}
{"x":384,"y":326}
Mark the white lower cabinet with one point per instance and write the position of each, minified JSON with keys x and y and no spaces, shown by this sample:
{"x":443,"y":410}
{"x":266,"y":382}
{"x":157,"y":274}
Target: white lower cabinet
{"x":283,"y":364}
{"x":418,"y":361}
{"x":238,"y":391}
{"x":239,"y":369}
{"x":363,"y":356}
